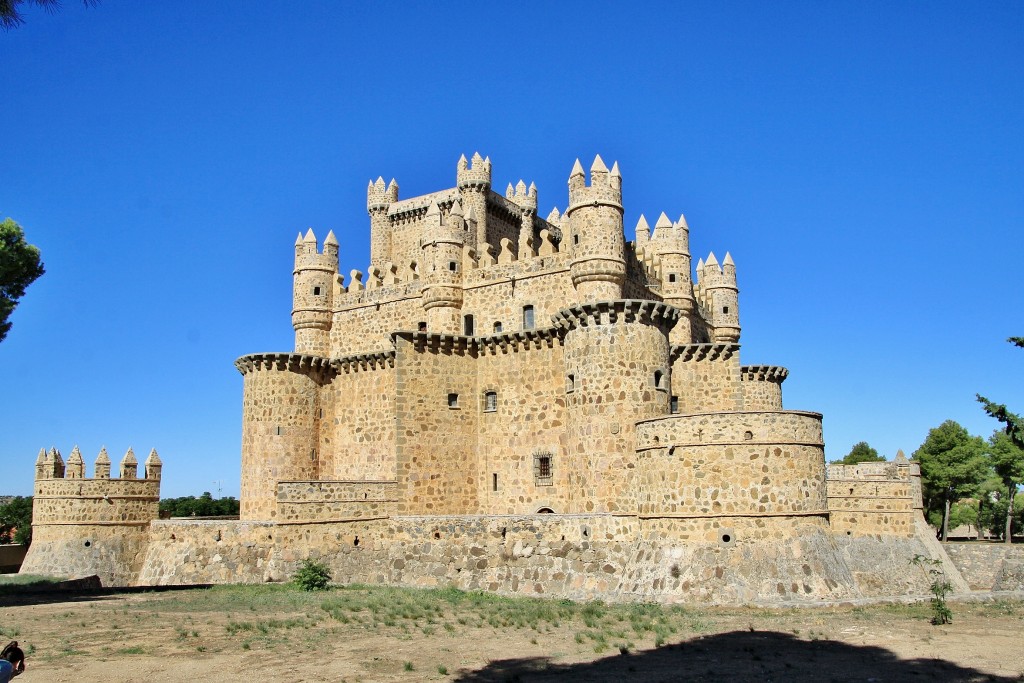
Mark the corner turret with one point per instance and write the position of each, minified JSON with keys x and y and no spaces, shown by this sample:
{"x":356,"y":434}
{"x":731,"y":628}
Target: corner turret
{"x":473,"y":179}
{"x":671,"y":244}
{"x":154,"y":466}
{"x":596,"y":242}
{"x":442,"y":260}
{"x":379,"y":199}
{"x":313,"y":293}
{"x":722,"y":297}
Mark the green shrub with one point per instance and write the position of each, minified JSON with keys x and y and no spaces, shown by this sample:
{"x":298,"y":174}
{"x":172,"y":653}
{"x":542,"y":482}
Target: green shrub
{"x":312,"y":576}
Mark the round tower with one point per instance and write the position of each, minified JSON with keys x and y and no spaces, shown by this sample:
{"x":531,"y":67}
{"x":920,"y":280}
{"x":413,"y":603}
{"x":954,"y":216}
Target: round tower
{"x":671,"y":242}
{"x":473,"y":179}
{"x":617,"y":371}
{"x":378,"y":200}
{"x":313,"y":293}
{"x":596,"y":243}
{"x":719,"y":285}
{"x":280,"y":426}
{"x":442,"y":244}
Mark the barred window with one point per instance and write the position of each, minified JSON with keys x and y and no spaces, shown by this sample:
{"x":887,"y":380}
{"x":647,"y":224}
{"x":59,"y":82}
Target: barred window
{"x":542,"y":469}
{"x":490,"y":401}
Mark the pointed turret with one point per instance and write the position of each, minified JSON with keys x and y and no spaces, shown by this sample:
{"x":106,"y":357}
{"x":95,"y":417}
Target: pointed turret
{"x":509,"y":191}
{"x":663,"y":227}
{"x":331,"y":246}
{"x":555,"y":217}
{"x":379,"y":199}
{"x":313,"y":291}
{"x":473,"y":181}
{"x":597,"y":244}
{"x":722,"y":297}
{"x":54,"y":464}
{"x":154,"y":466}
{"x":41,"y":464}
{"x":643,"y":232}
{"x":102,"y":467}
{"x":76,"y":466}
{"x":129,"y":465}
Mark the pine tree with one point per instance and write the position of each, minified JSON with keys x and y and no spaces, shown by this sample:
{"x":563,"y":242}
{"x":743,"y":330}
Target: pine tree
{"x":953,"y":465}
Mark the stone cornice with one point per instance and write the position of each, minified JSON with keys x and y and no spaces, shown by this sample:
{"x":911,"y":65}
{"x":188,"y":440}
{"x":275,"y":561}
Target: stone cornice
{"x":763,"y":373}
{"x":294,"y":362}
{"x":618,"y":311}
{"x":688,"y":352}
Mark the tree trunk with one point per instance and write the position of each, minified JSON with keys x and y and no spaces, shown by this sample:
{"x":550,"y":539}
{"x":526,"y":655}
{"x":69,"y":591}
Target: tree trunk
{"x":1009,"y":514}
{"x":945,"y":522}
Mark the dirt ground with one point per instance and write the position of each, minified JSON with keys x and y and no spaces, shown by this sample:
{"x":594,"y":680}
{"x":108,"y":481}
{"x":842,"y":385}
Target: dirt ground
{"x":374,"y":634}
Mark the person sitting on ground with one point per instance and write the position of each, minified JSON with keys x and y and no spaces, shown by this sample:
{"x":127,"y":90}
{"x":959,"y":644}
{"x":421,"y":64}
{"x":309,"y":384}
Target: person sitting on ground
{"x":12,"y":661}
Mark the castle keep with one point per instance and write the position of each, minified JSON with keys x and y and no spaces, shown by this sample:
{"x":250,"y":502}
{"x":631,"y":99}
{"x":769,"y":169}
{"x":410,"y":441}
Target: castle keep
{"x":527,"y":405}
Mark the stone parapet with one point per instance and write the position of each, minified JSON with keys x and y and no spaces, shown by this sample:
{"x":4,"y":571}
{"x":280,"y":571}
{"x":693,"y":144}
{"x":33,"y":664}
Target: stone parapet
{"x":305,"y":502}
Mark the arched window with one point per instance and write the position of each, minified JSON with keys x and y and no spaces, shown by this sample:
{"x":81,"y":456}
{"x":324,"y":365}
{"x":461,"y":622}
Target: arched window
{"x":497,"y":327}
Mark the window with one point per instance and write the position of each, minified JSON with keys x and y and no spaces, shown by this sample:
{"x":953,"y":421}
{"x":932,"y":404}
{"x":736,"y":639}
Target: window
{"x":671,"y":277}
{"x":453,"y":400}
{"x":421,"y":326}
{"x":542,"y":469}
{"x":490,"y":401}
{"x":673,"y":405}
{"x":575,"y":239}
{"x":494,"y":481}
{"x":497,"y":326}
{"x":725,"y":310}
{"x":659,"y":380}
{"x":316,"y":291}
{"x":278,"y":430}
{"x":570,"y":383}
{"x":451,"y":266}
{"x":467,"y":325}
{"x":527,"y":317}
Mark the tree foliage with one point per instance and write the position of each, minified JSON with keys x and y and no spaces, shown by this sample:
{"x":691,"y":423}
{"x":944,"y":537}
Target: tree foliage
{"x":953,"y":465}
{"x":1014,"y":424}
{"x":16,"y":520}
{"x":19,"y":267}
{"x":10,"y":10}
{"x":861,"y":452}
{"x":203,"y":506}
{"x":1008,"y":464}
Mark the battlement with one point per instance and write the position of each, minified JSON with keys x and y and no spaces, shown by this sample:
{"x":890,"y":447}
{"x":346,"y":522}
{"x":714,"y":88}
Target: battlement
{"x":623,"y":310}
{"x":50,"y":465}
{"x":309,"y":256}
{"x":604,"y":188}
{"x":475,"y":174}
{"x":525,"y":198}
{"x":763,"y":373}
{"x":379,"y":197}
{"x":875,"y":498}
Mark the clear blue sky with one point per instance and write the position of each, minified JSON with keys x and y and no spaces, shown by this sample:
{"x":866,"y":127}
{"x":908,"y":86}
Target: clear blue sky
{"x":862,"y":161}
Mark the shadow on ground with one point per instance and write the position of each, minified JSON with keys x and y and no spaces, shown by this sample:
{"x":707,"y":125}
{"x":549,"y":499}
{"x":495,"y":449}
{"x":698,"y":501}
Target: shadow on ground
{"x":736,"y":656}
{"x":16,"y":595}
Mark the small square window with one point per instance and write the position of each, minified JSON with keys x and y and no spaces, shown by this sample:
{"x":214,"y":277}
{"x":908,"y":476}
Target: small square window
{"x":671,"y":277}
{"x":542,"y":469}
{"x":673,"y":405}
{"x":316,"y":291}
{"x":453,"y":400}
{"x":490,"y":401}
{"x":421,"y":326}
{"x":451,"y":266}
{"x":497,"y":327}
{"x":725,"y":310}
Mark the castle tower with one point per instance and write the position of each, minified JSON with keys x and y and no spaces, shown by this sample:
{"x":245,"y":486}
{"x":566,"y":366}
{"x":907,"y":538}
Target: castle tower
{"x":378,"y":200}
{"x":526,"y":199}
{"x":719,"y":285}
{"x":83,"y":526}
{"x":76,"y":466}
{"x":313,"y":293}
{"x":473,"y":179}
{"x":617,"y":370}
{"x":671,"y":243}
{"x":442,"y":259}
{"x":41,"y":464}
{"x":102,"y":470}
{"x":154,"y":466}
{"x":596,"y":243}
{"x":280,"y":426}
{"x":129,"y":465}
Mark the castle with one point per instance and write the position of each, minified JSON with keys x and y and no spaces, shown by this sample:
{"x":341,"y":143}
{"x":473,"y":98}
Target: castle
{"x":517,"y":404}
